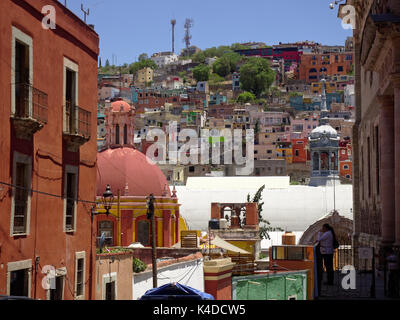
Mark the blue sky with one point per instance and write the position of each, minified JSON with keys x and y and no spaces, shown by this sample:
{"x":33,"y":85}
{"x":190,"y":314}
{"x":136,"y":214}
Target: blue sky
{"x":128,"y":28}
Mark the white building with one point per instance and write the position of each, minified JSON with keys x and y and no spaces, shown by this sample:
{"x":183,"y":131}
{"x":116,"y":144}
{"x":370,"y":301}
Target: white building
{"x":164,"y":58}
{"x":290,"y":207}
{"x":349,"y":95}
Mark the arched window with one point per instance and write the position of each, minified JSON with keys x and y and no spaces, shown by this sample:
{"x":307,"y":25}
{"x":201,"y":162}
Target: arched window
{"x":324,"y":161}
{"x":117,"y":134}
{"x":333,"y":161}
{"x":143,"y":235}
{"x":125,"y":134}
{"x":315,"y":161}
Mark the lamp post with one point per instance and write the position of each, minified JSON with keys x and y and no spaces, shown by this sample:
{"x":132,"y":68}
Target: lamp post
{"x":150,"y":216}
{"x":335,"y":3}
{"x":107,"y":200}
{"x":334,"y":182}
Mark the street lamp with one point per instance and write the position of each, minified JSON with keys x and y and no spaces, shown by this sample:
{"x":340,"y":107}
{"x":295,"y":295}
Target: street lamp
{"x":335,"y":3}
{"x":334,"y":182}
{"x":107,"y":200}
{"x":150,"y":216}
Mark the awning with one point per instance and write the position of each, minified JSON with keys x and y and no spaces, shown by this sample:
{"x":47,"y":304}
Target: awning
{"x":176,"y":291}
{"x":227,"y":246}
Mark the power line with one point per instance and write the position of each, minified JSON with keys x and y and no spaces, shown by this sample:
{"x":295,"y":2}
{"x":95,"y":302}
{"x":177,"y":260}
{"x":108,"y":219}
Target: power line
{"x":46,"y":193}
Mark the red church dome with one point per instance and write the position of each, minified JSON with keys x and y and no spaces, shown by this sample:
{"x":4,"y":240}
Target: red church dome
{"x":127,"y":167}
{"x":120,"y":106}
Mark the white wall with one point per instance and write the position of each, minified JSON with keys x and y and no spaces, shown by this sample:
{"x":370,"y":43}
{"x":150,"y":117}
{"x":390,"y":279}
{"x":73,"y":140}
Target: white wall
{"x":294,"y":208}
{"x":276,"y":239}
{"x":189,"y":273}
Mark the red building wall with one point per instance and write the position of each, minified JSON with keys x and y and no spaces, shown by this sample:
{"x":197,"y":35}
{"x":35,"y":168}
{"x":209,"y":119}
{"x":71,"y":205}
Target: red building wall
{"x":220,"y":288}
{"x":299,"y":150}
{"x":345,"y":159}
{"x":46,"y":239}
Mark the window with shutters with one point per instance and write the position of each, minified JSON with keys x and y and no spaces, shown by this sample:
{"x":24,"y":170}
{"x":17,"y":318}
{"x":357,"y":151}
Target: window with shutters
{"x":80,"y":275}
{"x":21,"y":195}
{"x":21,"y":73}
{"x":70,"y":198}
{"x":107,"y":227}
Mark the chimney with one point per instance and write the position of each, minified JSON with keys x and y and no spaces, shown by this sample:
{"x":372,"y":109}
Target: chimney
{"x":289,"y":238}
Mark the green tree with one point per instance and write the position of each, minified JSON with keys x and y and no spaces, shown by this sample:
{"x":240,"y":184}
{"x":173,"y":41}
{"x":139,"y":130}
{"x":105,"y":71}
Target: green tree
{"x":265,"y":226}
{"x":275,"y":92}
{"x":227,"y":64}
{"x":143,"y":57}
{"x":136,"y":66}
{"x":107,"y":63}
{"x":238,"y":46}
{"x":246,"y":97}
{"x":199,"y":57}
{"x":201,"y":73}
{"x":295,"y":94}
{"x":351,"y":72}
{"x":215,"y":78}
{"x":256,"y":76}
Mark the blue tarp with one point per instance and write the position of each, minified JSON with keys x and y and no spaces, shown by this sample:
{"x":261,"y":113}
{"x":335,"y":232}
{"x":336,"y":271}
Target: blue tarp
{"x":175,"y":291}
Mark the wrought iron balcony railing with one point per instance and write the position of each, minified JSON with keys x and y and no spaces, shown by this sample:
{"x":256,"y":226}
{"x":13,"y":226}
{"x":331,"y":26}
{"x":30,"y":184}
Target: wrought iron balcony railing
{"x":30,"y":103}
{"x":77,"y":120}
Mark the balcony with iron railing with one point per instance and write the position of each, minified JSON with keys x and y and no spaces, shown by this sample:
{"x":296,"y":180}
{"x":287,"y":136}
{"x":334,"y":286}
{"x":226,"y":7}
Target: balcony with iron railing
{"x":77,"y":125}
{"x":30,"y":112}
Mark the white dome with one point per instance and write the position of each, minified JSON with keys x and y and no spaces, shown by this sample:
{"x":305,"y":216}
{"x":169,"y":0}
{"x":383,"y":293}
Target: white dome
{"x":325,"y":129}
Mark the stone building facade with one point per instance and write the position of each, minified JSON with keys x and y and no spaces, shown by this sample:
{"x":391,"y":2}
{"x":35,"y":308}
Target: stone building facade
{"x":376,"y":133}
{"x":48,"y":86}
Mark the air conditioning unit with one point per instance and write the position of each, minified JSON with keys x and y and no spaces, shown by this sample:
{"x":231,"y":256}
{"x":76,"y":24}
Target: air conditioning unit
{"x":213,"y":224}
{"x":223,"y":224}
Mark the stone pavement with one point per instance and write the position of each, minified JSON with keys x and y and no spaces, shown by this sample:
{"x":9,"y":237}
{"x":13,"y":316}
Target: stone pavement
{"x":364,"y":288}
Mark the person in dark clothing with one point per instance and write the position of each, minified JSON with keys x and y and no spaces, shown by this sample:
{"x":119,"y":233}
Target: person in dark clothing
{"x":326,"y":239}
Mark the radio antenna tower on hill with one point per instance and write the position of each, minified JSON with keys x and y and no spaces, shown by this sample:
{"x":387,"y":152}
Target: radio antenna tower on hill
{"x":173,"y":23}
{"x":188,"y":36}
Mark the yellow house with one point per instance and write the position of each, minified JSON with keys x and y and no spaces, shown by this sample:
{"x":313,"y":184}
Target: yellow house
{"x":284,"y":151}
{"x":316,"y":87}
{"x":128,"y":223}
{"x":144,"y":76}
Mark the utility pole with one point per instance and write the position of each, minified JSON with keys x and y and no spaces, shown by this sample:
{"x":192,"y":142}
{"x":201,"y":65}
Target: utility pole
{"x":173,"y":23}
{"x":150,"y":216}
{"x":334,"y":182}
{"x":86,"y":13}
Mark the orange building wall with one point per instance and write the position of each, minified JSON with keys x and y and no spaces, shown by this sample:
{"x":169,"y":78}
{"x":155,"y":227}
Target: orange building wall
{"x":73,"y":39}
{"x":122,"y":266}
{"x":343,"y":172}
{"x":307,"y":61}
